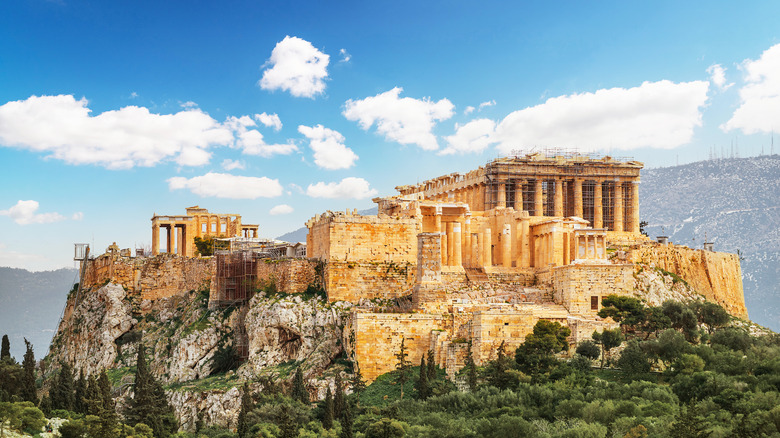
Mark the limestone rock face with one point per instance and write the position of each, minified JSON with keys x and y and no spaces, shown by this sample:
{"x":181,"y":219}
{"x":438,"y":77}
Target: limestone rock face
{"x":293,"y":329}
{"x":655,"y":287}
{"x":88,"y":331}
{"x":218,"y":407}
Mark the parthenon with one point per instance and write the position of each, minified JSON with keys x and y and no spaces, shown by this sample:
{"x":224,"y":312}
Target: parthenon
{"x":198,"y":222}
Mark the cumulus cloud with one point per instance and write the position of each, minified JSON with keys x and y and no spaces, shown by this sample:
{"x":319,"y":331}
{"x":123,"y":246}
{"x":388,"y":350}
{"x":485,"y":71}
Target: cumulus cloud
{"x":718,"y":76}
{"x":473,"y":137}
{"x":469,"y":109}
{"x":281,"y":209}
{"x":229,"y":164}
{"x":404,"y":120}
{"x":131,"y":136}
{"x":328,"y":146}
{"x":223,"y":185}
{"x":251,"y":141}
{"x":270,"y":120}
{"x":759,"y":109}
{"x":24,"y":213}
{"x":659,"y":114}
{"x":345,"y":56}
{"x":348,"y":188}
{"x":296,"y":66}
{"x":488,"y":103}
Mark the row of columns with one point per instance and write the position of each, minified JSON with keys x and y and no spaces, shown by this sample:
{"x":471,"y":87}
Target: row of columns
{"x":175,"y":238}
{"x":590,"y":246}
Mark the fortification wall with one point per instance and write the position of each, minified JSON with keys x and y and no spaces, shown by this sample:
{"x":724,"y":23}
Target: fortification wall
{"x":151,"y":278}
{"x":363,"y":239}
{"x":377,"y":339}
{"x":576,"y":285}
{"x":352,"y":281}
{"x":716,"y":275}
{"x":291,"y":276}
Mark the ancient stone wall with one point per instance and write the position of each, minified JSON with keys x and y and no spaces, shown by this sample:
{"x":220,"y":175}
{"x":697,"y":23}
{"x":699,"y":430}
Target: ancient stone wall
{"x":352,"y":281}
{"x":291,"y":276}
{"x":580,"y":288}
{"x":715,"y":275}
{"x":156,"y":277}
{"x":363,"y":238}
{"x":377,"y":339}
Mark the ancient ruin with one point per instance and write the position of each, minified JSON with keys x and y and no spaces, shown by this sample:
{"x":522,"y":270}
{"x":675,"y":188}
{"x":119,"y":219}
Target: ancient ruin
{"x":460,"y":261}
{"x":181,"y":231}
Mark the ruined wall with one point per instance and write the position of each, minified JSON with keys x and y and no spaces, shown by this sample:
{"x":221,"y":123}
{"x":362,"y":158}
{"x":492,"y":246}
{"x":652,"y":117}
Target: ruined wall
{"x":291,"y":276}
{"x":377,"y":339}
{"x":351,"y":281}
{"x":156,"y":277}
{"x":716,"y":275}
{"x":363,"y":238}
{"x":575,"y":285}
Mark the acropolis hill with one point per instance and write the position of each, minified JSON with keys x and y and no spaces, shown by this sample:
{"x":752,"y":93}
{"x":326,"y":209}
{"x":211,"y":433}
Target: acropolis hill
{"x":461,"y":260}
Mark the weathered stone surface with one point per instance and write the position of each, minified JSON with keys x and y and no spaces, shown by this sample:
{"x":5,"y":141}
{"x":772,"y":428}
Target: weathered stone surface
{"x":218,"y":407}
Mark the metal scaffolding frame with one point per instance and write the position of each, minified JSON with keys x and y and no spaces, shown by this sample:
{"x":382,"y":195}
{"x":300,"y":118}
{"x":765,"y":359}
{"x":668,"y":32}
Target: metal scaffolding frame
{"x":236,"y":278}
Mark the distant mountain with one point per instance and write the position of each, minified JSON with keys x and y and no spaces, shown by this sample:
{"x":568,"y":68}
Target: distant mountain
{"x":299,"y":235}
{"x":734,"y":203}
{"x":31,"y":304}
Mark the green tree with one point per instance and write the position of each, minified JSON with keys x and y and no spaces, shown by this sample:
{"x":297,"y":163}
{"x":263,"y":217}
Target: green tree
{"x":499,"y":373}
{"x":287,"y":425}
{"x":431,"y":367}
{"x":358,"y":384}
{"x":339,"y":400}
{"x":402,"y":367}
{"x":62,"y":395}
{"x":588,"y":349}
{"x":422,"y":386}
{"x":242,"y":428}
{"x":5,"y":351}
{"x":683,"y":319}
{"x":28,"y":390}
{"x":471,"y":370}
{"x":299,"y":391}
{"x":670,"y":345}
{"x":385,"y":428}
{"x":537,"y":354}
{"x":608,"y":339}
{"x":80,"y":394}
{"x":710,"y":314}
{"x":633,"y":360}
{"x":628,"y":311}
{"x":689,"y":424}
{"x":206,"y":246}
{"x":108,"y":418}
{"x":327,"y":410}
{"x":92,"y":400}
{"x":149,"y":404}
{"x":346,"y":423}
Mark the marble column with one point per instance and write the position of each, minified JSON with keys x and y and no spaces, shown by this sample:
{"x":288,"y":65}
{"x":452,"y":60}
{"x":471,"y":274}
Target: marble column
{"x":487,"y":255}
{"x":501,"y":198}
{"x":457,"y":255}
{"x":506,"y":246}
{"x":633,"y":208}
{"x":558,"y":202}
{"x":598,"y":210}
{"x":538,"y":198}
{"x":618,"y":202}
{"x":519,"y":196}
{"x":578,"y":197}
{"x":155,"y":239}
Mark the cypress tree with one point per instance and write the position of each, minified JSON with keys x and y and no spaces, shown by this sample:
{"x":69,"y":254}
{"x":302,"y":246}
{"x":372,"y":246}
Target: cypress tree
{"x":62,"y":396}
{"x":402,"y":367}
{"x":431,"y":367}
{"x":299,"y":391}
{"x":327,"y":410}
{"x":28,"y":391}
{"x":346,"y":423}
{"x":471,"y":370}
{"x":287,"y":425}
{"x":79,"y":402}
{"x":92,"y":399}
{"x":422,"y":386}
{"x":5,"y":351}
{"x":338,"y":398}
{"x":246,"y":406}
{"x":108,"y":417}
{"x":45,"y":405}
{"x":358,"y":384}
{"x":149,"y":405}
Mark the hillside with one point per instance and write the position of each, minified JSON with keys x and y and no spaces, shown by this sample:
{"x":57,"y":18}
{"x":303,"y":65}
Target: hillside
{"x":30,"y":306}
{"x":733,"y":203}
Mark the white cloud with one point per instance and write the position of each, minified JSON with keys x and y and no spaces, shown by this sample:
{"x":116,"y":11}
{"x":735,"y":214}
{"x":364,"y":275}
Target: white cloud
{"x":223,"y":185}
{"x":24,"y":213}
{"x":251,"y":141}
{"x":296,"y":66}
{"x":473,"y":137}
{"x":655,"y":114}
{"x":229,"y":164}
{"x":328,"y":146}
{"x":488,"y":103}
{"x":133,"y":95}
{"x":469,"y":109}
{"x":718,"y":76}
{"x":131,"y":136}
{"x":77,"y":216}
{"x":759,"y":109}
{"x":348,"y":188}
{"x":404,"y":120}
{"x":189,"y":104}
{"x":281,"y":209}
{"x":270,"y":120}
{"x":345,"y":56}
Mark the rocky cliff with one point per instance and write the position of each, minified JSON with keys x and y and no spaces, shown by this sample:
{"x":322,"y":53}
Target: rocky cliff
{"x":104,"y":326}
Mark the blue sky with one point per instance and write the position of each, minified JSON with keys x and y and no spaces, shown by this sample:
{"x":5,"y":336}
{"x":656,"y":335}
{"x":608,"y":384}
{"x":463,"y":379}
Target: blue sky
{"x":113,"y":111}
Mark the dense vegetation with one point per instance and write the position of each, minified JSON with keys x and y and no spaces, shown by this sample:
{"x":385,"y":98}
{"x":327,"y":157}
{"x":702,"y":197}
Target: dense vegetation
{"x":676,"y":370}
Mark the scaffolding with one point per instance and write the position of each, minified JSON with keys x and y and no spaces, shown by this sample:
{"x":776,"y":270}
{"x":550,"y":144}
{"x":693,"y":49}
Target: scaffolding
{"x":236,"y":278}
